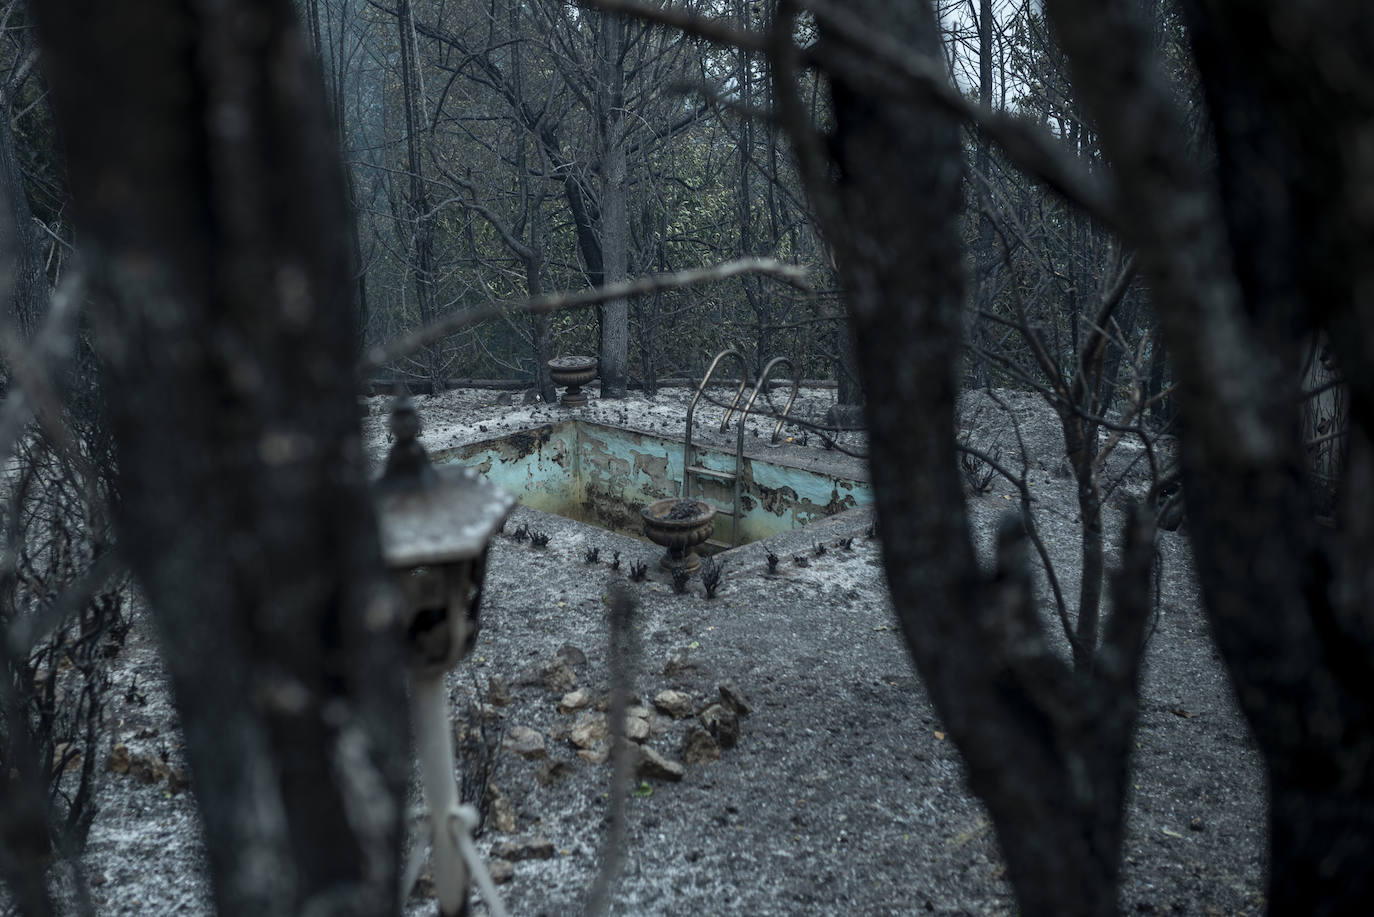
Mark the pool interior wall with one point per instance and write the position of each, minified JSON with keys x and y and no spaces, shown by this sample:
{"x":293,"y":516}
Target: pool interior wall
{"x":604,"y":475}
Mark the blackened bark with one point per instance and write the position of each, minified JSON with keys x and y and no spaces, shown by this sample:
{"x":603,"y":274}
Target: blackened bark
{"x":586,"y":216}
{"x":615,"y":239}
{"x":985,"y":256}
{"x":1160,"y":410}
{"x":25,"y":839}
{"x":1245,"y":265}
{"x":539,"y":325}
{"x":27,"y":287}
{"x":209,"y":198}
{"x":418,"y":210}
{"x":1080,"y":447}
{"x":1046,"y":746}
{"x":1127,"y":319}
{"x":848,"y":380}
{"x":1325,"y":426}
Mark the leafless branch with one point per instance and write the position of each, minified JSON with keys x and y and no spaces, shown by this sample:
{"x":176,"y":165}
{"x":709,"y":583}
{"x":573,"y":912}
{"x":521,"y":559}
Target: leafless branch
{"x":379,"y":356}
{"x":1028,"y":144}
{"x":35,"y":364}
{"x":710,"y":28}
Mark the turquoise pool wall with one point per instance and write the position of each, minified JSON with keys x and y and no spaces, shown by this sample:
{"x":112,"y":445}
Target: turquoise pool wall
{"x":537,"y":465}
{"x":604,"y":475}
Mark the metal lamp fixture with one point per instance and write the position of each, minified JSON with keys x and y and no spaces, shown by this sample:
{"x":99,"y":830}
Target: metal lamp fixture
{"x":436,"y":527}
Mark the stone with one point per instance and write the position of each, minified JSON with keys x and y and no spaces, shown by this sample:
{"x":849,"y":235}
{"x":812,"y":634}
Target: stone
{"x":677,"y":704}
{"x":603,"y":703}
{"x":525,"y":742}
{"x":119,"y":759}
{"x":659,"y":726}
{"x":590,"y":729}
{"x":597,"y":754}
{"x":144,"y":768}
{"x":500,"y":813}
{"x":559,"y":676}
{"x":572,"y":655}
{"x":528,"y":848}
{"x":654,"y":766}
{"x":502,"y":871}
{"x":732,"y":698}
{"x":637,"y":728}
{"x":574,"y":701}
{"x":722,"y":723}
{"x":498,"y":692}
{"x":698,"y":747}
{"x":550,"y":772}
{"x":678,"y":665}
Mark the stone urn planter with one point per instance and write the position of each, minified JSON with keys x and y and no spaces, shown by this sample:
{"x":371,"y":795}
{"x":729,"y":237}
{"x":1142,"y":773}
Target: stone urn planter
{"x":573,"y":372}
{"x":679,"y":525}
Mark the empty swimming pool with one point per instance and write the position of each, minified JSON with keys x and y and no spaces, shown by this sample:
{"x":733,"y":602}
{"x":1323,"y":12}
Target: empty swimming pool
{"x":603,"y":475}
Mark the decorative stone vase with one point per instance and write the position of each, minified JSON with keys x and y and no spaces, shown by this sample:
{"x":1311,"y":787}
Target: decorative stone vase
{"x":679,"y":525}
{"x":574,"y":372}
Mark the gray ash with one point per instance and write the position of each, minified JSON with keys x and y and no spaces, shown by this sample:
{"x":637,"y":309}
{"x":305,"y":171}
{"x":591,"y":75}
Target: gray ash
{"x":684,"y":509}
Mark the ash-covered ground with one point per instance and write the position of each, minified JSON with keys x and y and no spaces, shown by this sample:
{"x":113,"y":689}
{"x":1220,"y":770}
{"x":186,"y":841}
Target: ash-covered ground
{"x":840,"y":794}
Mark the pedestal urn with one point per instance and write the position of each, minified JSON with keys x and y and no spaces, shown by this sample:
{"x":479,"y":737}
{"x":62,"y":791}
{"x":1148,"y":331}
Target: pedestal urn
{"x":574,"y":372}
{"x":679,"y":525}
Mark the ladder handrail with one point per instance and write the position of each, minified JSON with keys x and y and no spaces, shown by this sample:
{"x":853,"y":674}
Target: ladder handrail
{"x":691,"y":408}
{"x":758,"y":387}
{"x":744,"y":415}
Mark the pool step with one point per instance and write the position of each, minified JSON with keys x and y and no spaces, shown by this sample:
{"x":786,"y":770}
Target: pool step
{"x":704,"y":472}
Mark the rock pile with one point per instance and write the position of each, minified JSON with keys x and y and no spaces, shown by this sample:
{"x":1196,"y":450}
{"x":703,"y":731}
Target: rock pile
{"x":714,"y":726}
{"x":704,"y":728}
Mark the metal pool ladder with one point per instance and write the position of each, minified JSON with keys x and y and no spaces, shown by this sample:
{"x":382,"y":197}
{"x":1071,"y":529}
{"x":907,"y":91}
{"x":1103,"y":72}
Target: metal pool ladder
{"x":694,"y":471}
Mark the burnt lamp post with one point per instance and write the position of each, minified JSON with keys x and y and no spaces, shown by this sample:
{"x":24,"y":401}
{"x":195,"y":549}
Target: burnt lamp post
{"x":436,"y":526}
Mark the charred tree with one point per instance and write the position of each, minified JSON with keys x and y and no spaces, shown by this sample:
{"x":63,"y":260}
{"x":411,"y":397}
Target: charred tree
{"x":209,"y":199}
{"x":1046,"y":744}
{"x":1248,"y":262}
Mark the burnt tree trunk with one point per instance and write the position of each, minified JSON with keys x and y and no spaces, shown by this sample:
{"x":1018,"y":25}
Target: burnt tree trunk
{"x":210,"y":202}
{"x":1080,"y":447}
{"x":540,"y":326}
{"x":25,"y":287}
{"x":1247,"y":264}
{"x":1046,"y":746}
{"x":615,"y":228}
{"x":985,"y":255}
{"x":418,"y":210}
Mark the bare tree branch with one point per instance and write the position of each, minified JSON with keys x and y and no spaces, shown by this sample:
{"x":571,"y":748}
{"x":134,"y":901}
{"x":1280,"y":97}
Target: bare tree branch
{"x":790,"y":274}
{"x":1028,"y":144}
